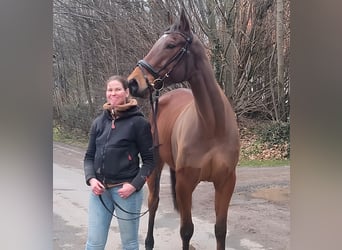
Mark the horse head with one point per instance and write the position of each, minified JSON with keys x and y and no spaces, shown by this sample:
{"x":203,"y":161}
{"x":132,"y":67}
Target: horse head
{"x":169,"y":61}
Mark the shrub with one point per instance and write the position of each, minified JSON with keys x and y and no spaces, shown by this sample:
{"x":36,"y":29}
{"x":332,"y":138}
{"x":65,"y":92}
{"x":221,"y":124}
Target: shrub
{"x":75,"y":120}
{"x":276,"y":134}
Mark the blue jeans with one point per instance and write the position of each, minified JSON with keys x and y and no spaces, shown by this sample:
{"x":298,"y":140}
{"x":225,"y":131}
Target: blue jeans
{"x":100,"y":219}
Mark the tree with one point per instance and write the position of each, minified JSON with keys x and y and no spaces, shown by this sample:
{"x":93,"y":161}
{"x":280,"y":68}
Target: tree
{"x":249,"y":51}
{"x":280,"y":57}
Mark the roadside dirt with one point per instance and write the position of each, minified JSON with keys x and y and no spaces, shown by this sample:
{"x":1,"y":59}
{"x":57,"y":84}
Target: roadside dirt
{"x":259,"y":214}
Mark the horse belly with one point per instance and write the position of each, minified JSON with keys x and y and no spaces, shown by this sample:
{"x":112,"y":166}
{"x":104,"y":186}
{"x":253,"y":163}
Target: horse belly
{"x":212,"y":162}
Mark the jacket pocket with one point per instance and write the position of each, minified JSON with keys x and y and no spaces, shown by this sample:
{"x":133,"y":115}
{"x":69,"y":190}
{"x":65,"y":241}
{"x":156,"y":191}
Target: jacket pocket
{"x":118,"y":163}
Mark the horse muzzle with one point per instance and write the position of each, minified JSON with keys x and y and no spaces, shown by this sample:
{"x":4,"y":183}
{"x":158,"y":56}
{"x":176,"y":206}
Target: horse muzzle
{"x":135,"y":90}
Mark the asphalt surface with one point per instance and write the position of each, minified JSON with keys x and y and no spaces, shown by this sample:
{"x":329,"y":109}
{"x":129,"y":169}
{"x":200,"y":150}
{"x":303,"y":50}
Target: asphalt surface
{"x":258,"y":218}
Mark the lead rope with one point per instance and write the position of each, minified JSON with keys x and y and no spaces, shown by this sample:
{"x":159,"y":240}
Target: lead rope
{"x":154,"y":106}
{"x":117,"y":205}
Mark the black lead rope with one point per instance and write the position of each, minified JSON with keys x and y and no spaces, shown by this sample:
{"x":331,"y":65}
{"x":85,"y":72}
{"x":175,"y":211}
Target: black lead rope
{"x":156,"y":154}
{"x":124,"y":210}
{"x":154,"y":106}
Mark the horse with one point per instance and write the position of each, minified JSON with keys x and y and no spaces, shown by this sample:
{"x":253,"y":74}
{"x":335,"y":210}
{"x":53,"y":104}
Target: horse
{"x":197,"y":128}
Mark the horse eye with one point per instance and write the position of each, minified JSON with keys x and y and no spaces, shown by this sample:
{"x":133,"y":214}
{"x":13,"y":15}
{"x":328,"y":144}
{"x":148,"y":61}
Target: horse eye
{"x":171,"y":46}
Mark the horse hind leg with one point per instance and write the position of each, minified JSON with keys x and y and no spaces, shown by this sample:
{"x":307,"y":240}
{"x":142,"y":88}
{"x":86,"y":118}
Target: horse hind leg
{"x":223,"y":194}
{"x":153,"y":184}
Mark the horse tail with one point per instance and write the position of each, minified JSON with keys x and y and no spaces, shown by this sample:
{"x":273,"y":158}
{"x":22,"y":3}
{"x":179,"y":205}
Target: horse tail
{"x":173,"y":188}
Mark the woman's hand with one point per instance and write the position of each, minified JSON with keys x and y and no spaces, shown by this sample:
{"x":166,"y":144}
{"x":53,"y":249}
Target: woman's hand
{"x":96,"y":186}
{"x":126,"y":190}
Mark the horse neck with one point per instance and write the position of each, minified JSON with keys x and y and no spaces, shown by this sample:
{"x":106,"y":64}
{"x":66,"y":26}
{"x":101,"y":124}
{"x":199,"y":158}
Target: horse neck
{"x":210,"y":102}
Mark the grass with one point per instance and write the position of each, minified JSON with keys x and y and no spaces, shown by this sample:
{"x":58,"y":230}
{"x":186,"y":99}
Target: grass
{"x":247,"y":150}
{"x":69,"y":139}
{"x":263,"y":163}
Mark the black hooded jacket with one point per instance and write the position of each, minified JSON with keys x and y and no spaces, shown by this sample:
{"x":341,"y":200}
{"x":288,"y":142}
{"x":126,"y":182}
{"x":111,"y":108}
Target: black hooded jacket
{"x":114,"y":145}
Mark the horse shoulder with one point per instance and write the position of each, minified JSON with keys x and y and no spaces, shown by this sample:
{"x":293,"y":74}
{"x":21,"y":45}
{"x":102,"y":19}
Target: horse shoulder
{"x":171,"y":105}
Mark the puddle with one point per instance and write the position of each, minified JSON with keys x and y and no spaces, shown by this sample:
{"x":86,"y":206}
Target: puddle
{"x":272,"y":194}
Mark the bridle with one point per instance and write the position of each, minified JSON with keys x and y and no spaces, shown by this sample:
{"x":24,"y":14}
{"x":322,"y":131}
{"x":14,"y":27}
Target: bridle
{"x":158,"y":81}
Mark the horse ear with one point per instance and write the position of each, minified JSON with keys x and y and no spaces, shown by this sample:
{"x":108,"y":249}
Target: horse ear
{"x":184,"y":22}
{"x":169,"y":18}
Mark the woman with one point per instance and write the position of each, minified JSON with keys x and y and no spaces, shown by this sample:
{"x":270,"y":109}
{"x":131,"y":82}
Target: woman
{"x":111,"y":166}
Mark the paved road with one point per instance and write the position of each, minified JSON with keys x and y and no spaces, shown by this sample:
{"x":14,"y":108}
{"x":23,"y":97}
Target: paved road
{"x":70,"y":201}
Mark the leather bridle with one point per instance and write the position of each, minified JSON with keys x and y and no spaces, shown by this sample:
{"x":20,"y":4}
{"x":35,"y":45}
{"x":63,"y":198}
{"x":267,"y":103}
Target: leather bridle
{"x":158,"y":81}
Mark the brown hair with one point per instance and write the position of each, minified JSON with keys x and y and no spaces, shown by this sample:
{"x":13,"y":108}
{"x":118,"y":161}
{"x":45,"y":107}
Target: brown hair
{"x":120,"y":79}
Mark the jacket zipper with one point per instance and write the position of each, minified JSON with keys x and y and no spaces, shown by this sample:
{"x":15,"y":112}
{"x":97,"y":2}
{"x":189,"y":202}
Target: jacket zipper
{"x":104,"y":148}
{"x":113,"y":117}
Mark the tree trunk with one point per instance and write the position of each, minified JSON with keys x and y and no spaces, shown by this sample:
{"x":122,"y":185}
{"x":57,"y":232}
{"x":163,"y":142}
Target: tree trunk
{"x":280,"y":56}
{"x":85,"y":74}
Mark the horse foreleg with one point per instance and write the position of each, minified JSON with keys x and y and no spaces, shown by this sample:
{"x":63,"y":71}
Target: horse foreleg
{"x":223,"y":194}
{"x":153,"y":184}
{"x":186,"y":181}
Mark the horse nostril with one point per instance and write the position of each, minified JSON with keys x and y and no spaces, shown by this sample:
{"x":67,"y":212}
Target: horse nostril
{"x":133,"y":87}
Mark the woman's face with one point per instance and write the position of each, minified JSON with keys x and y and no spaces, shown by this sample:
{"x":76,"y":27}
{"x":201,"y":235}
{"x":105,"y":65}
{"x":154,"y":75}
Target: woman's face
{"x":116,"y":94}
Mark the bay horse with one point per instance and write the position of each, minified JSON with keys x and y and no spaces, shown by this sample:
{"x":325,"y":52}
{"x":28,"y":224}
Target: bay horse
{"x":197,"y":129}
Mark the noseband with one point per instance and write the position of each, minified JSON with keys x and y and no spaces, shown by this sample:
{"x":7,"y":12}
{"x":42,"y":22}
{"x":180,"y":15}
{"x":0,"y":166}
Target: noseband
{"x":158,"y":79}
